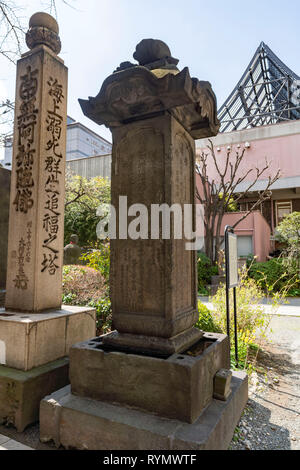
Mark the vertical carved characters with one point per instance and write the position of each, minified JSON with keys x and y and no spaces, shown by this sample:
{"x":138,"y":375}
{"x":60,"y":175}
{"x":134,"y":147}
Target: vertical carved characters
{"x":52,"y":164}
{"x":35,"y":245}
{"x":183,"y":194}
{"x":21,"y":280}
{"x":26,"y":122}
{"x":28,"y":243}
{"x":24,"y":255}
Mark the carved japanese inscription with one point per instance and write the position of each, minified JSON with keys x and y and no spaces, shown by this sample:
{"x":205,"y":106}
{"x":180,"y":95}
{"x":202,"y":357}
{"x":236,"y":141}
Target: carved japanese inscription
{"x":26,"y":123}
{"x":35,"y":248}
{"x":138,"y":173}
{"x":52,"y":167}
{"x":21,"y":280}
{"x":183,"y":169}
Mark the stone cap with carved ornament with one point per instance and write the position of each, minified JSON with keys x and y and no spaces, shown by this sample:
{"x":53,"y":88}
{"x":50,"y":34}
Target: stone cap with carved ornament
{"x":43,"y":29}
{"x":154,"y":85}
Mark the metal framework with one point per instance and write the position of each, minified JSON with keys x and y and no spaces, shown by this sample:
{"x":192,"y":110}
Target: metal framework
{"x":268,"y":93}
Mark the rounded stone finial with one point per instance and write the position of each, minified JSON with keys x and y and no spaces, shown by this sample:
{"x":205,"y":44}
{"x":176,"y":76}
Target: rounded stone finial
{"x":151,"y":50}
{"x":43,"y":29}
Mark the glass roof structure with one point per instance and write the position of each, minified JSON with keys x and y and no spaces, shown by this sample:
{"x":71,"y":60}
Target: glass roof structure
{"x":267,"y":93}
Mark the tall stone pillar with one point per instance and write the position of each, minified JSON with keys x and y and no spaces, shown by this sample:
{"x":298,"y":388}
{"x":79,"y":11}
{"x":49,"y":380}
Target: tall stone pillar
{"x":35,"y":254}
{"x":36,"y":331}
{"x":154,"y":112}
{"x":155,"y":365}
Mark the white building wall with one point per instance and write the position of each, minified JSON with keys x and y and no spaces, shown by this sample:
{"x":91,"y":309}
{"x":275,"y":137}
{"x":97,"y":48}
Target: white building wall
{"x":90,"y":167}
{"x":7,"y":157}
{"x":81,"y":143}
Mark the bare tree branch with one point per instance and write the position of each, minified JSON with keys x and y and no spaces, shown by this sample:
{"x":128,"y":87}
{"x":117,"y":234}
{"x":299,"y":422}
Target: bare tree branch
{"x":217,"y":195}
{"x":12,"y":31}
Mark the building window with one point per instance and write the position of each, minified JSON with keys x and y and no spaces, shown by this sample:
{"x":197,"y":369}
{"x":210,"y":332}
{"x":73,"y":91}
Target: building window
{"x":246,"y":206}
{"x":283,"y":208}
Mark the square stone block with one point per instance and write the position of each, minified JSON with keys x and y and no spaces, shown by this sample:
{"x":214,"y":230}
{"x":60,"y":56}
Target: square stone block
{"x":84,"y":423}
{"x":31,"y":340}
{"x":222,"y":383}
{"x":178,"y":387}
{"x":21,"y":392}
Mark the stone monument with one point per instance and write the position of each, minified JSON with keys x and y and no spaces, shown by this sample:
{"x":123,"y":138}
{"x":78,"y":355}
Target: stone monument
{"x":4,"y":216}
{"x":169,"y":371}
{"x":36,"y":332}
{"x":72,"y":251}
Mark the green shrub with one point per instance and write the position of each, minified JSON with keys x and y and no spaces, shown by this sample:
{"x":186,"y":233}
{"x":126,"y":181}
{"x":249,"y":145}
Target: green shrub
{"x":250,"y":313}
{"x":103,"y":314}
{"x":294,"y":292}
{"x":85,"y":286}
{"x":206,"y":321}
{"x":82,"y":284}
{"x":82,"y":199}
{"x":252,"y":323}
{"x":99,"y":259}
{"x":205,"y":271}
{"x":273,"y":276}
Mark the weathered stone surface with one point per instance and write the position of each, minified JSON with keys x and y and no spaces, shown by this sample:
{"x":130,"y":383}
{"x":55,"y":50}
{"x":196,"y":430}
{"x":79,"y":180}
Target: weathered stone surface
{"x":153,"y":282}
{"x":222,"y":382}
{"x":21,"y":392}
{"x":154,"y":112}
{"x":178,"y":387}
{"x":153,"y":345}
{"x":151,"y":50}
{"x":43,"y":29}
{"x":30,"y":340}
{"x":83,"y":423}
{"x":4,"y":215}
{"x":35,"y":250}
{"x":136,"y":92}
{"x":2,"y":297}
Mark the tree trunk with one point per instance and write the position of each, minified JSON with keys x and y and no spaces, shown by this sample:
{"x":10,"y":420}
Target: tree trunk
{"x":209,"y":243}
{"x":217,"y":238}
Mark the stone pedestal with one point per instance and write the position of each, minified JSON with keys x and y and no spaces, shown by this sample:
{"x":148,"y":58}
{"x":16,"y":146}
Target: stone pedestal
{"x":150,"y":383}
{"x":178,"y":387}
{"x":87,"y":424}
{"x":31,"y":340}
{"x":21,"y":392}
{"x":121,"y":401}
{"x":34,"y":362}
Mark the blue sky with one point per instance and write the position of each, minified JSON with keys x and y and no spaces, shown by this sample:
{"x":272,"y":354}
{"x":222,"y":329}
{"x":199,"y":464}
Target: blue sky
{"x":215,"y":39}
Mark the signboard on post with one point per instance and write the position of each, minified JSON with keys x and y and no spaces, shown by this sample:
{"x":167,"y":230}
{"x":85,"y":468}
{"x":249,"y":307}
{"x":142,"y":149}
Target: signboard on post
{"x":232,"y":258}
{"x":232,"y":280}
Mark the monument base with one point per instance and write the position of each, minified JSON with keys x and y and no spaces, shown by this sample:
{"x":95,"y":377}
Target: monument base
{"x":83,"y":423}
{"x":33,"y":357}
{"x":21,"y":392}
{"x":150,"y":345}
{"x":177,"y":387}
{"x":30,"y":340}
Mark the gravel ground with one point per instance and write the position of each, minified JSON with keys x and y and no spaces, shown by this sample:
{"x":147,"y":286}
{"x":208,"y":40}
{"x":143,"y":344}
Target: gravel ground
{"x":271,"y":420}
{"x":30,"y":437}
